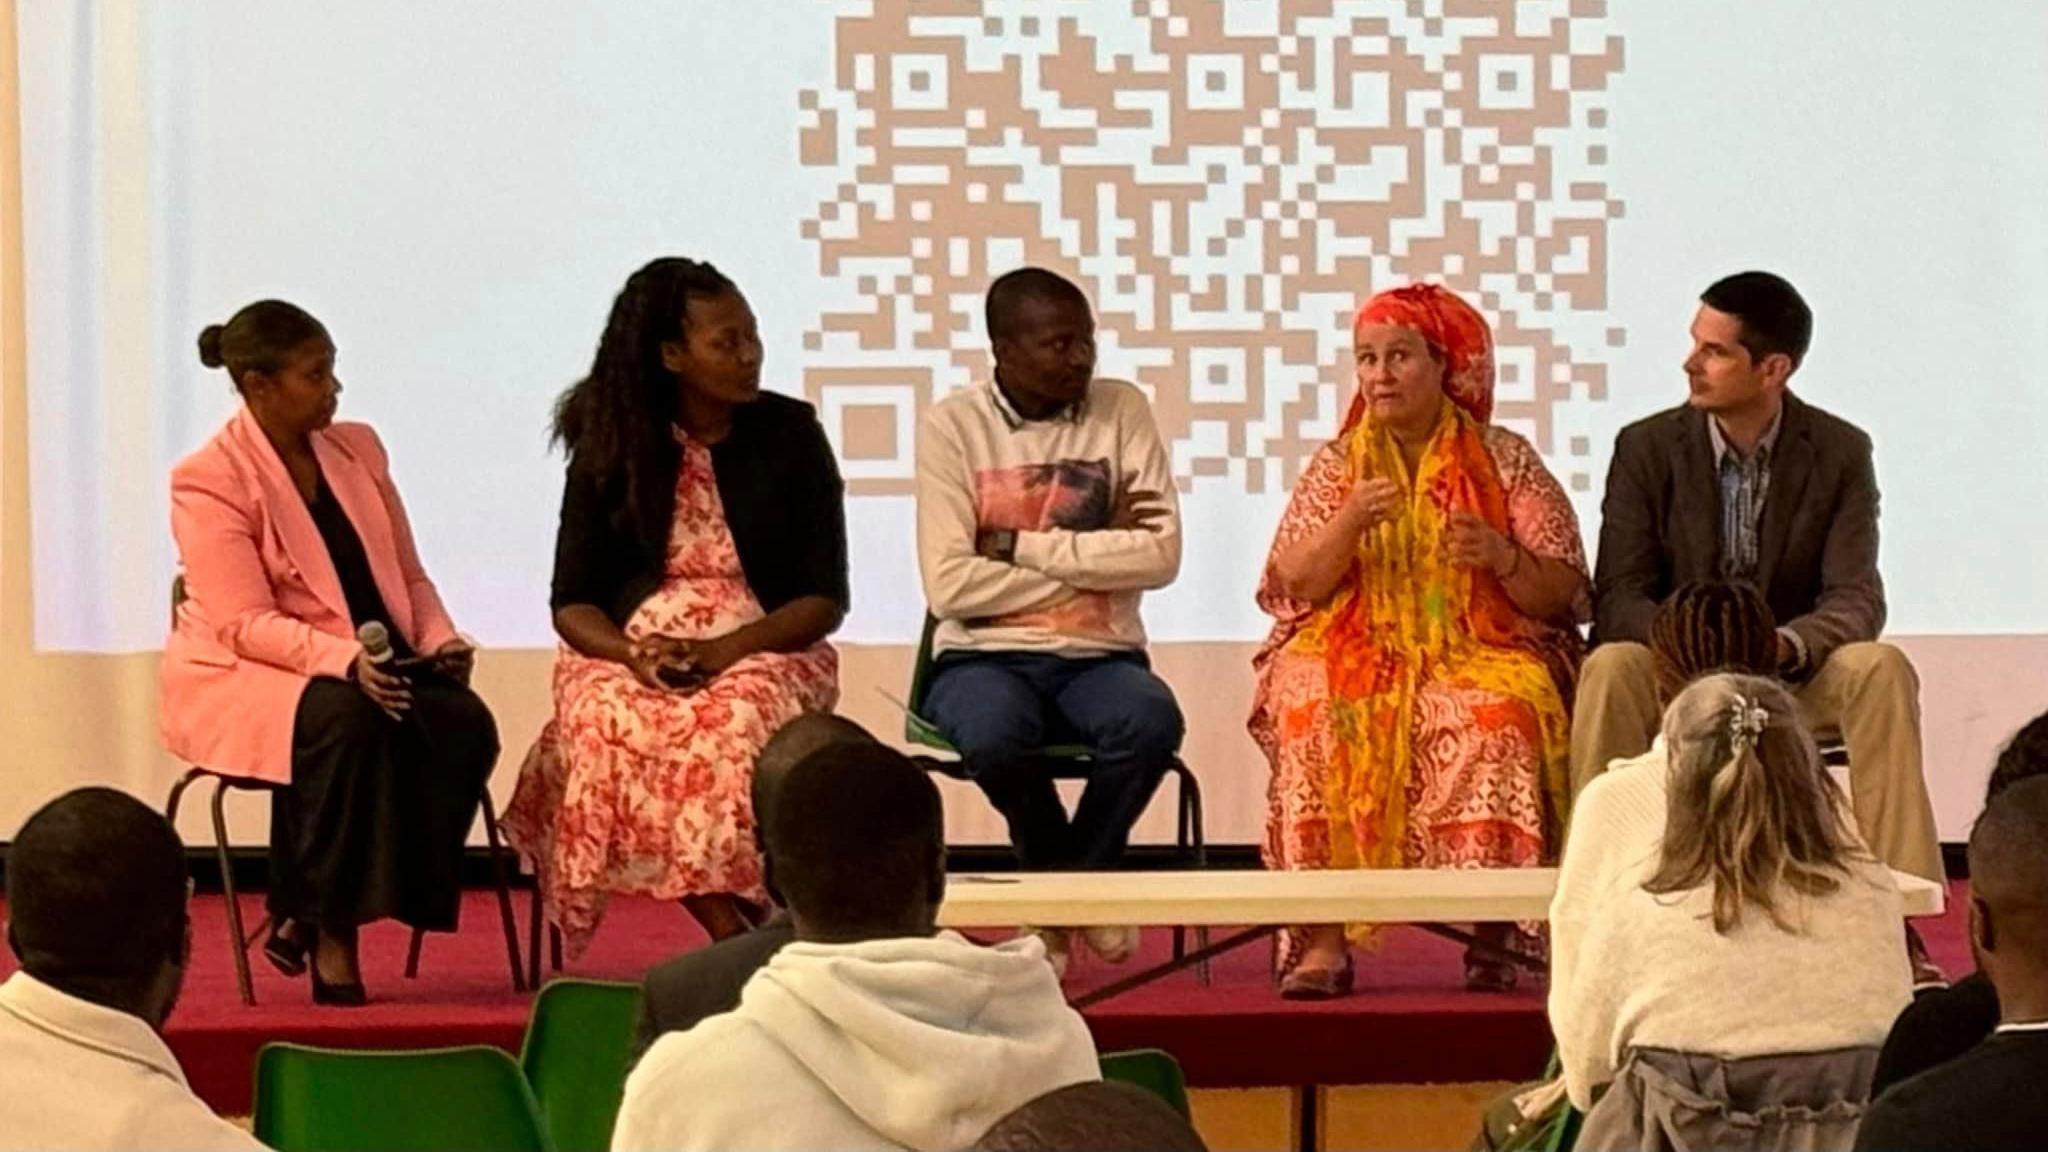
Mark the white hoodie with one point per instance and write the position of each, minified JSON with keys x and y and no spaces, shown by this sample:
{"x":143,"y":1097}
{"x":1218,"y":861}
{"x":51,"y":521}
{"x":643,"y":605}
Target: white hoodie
{"x":905,"y":1043}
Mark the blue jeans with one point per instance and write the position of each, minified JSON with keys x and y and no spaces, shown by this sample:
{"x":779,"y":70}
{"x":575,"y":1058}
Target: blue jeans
{"x":1000,"y":708}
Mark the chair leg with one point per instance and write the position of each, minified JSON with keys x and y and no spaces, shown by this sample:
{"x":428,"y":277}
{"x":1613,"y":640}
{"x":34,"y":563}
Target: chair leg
{"x":555,"y":947}
{"x":506,"y":917}
{"x":178,"y":793}
{"x":533,"y":932}
{"x":412,"y":954}
{"x":1193,"y":842}
{"x":237,"y":942}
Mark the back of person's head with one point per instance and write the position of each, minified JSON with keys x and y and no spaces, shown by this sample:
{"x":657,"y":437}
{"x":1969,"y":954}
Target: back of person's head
{"x":1097,"y":1116}
{"x":259,"y":338}
{"x":1012,"y":289}
{"x":1752,"y":810}
{"x":1711,"y":626}
{"x":788,"y":747}
{"x":2023,"y":757}
{"x":96,"y":890}
{"x":857,"y":845}
{"x":1775,"y":317}
{"x":2009,"y":884}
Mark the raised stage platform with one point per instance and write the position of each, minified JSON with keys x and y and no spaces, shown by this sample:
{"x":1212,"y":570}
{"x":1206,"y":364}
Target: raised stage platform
{"x":1410,"y":1022}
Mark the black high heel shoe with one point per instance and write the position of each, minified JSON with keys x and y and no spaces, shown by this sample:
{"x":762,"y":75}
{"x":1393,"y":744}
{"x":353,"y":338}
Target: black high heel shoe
{"x":286,"y":948}
{"x":349,"y":995}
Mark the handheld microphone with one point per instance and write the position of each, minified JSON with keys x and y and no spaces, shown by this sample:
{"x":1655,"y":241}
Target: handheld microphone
{"x":376,"y":642}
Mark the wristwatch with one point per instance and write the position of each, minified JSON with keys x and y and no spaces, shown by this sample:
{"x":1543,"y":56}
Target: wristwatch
{"x":1004,"y":543}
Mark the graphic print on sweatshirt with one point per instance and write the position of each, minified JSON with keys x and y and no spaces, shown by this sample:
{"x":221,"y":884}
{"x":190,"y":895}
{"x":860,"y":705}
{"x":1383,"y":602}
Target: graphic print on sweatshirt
{"x":1075,"y":495}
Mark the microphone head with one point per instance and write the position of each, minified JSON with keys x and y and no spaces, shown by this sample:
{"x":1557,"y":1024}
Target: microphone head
{"x":374,"y":639}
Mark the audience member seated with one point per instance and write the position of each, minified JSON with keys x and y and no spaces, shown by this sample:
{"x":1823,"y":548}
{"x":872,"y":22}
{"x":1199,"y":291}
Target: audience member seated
{"x":678,"y":993}
{"x":293,"y":542}
{"x":1724,"y":970}
{"x":1046,"y":508}
{"x":1943,"y":1023}
{"x":700,"y":564}
{"x":1102,"y":1116}
{"x":1425,"y":583}
{"x":1989,"y":1099}
{"x":1747,"y":482}
{"x":1703,"y":628}
{"x":869,"y":1030}
{"x":96,"y":895}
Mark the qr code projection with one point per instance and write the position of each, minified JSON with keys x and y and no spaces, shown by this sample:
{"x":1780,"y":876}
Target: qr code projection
{"x":1225,"y":178}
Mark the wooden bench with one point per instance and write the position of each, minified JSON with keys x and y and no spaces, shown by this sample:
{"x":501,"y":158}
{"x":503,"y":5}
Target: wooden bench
{"x":1264,"y":902}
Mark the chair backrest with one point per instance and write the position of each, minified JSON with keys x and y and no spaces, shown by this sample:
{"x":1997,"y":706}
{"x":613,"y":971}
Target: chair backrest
{"x":330,"y":1100}
{"x":1155,"y":1071}
{"x":578,"y":1044}
{"x":916,"y":728}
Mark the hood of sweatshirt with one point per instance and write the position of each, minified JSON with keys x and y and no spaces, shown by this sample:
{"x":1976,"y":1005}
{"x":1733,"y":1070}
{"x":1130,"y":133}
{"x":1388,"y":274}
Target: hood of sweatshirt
{"x":928,"y":1040}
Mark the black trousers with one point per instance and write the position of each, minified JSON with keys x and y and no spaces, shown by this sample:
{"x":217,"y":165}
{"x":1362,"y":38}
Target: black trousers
{"x":373,"y":823}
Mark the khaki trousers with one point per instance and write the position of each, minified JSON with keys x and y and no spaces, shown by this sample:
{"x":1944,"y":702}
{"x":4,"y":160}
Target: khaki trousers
{"x":1868,"y":693}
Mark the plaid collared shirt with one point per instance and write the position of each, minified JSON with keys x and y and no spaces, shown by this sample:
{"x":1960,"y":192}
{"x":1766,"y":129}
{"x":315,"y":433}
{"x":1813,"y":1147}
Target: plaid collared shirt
{"x":1745,"y":481}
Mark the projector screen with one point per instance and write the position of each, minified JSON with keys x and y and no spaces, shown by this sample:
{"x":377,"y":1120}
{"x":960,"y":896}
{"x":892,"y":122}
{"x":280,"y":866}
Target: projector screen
{"x":458,"y":190}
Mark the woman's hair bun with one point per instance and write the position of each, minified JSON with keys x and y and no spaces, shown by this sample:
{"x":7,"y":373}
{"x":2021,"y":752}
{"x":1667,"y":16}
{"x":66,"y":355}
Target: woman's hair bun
{"x":209,"y":346}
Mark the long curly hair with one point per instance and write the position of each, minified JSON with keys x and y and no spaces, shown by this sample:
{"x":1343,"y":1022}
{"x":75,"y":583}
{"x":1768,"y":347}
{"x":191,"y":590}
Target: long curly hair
{"x":615,"y":423}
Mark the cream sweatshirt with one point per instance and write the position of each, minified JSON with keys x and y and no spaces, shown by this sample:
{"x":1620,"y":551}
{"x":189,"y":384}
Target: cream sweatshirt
{"x":1634,"y":970}
{"x":905,"y":1043}
{"x":1091,"y":497}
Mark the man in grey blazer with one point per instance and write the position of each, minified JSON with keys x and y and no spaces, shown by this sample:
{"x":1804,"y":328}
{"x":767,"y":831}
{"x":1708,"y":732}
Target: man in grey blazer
{"x":1746,"y":482}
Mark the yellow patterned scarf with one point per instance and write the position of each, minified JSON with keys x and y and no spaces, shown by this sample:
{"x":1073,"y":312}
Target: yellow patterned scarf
{"x":1414,"y":616}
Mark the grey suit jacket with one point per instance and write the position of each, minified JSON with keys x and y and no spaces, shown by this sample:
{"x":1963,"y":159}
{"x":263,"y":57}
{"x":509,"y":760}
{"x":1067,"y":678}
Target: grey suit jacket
{"x":1660,"y":526}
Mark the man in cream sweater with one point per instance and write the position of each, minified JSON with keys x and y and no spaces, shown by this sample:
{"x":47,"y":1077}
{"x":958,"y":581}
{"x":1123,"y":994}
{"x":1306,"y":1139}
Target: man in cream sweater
{"x":1045,"y":509}
{"x":869,"y":1031}
{"x":96,"y":895}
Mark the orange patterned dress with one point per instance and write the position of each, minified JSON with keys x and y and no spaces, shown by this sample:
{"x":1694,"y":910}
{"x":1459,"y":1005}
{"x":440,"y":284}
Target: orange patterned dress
{"x":637,"y":791}
{"x":1417,"y":720}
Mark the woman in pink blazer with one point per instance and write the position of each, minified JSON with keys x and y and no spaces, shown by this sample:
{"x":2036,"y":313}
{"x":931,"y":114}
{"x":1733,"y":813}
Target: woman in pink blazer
{"x":292,"y":538}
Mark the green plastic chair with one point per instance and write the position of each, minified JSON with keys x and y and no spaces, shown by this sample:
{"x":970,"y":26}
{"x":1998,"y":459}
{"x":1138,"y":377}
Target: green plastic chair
{"x":330,"y":1100}
{"x":578,"y":1045}
{"x":1153,"y":1070}
{"x":1069,"y":762}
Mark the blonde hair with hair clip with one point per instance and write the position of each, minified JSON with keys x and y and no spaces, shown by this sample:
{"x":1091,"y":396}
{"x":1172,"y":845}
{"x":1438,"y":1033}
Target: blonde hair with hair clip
{"x":1752,"y":810}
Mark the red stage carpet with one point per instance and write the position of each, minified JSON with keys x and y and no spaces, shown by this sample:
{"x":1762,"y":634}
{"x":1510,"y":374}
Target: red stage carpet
{"x":1410,"y":1022}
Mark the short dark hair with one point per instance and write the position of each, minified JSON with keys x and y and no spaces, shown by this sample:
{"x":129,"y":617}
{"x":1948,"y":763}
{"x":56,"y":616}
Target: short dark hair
{"x":856,"y":840}
{"x":1012,"y":289}
{"x":793,"y":743}
{"x":259,"y":338}
{"x":96,"y":893}
{"x":2023,"y":757}
{"x":2009,"y":864}
{"x":1712,"y":626}
{"x":1774,"y":316}
{"x":1096,"y":1116}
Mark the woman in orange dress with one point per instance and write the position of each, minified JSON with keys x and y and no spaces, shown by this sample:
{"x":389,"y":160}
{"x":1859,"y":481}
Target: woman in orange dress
{"x":1425,"y":583}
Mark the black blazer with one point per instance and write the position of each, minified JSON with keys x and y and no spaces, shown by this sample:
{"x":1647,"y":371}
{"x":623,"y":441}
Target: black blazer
{"x":1660,"y":526}
{"x":784,"y":503}
{"x":678,"y":993}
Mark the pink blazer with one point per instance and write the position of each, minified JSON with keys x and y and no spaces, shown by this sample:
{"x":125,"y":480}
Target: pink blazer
{"x":264,"y":610}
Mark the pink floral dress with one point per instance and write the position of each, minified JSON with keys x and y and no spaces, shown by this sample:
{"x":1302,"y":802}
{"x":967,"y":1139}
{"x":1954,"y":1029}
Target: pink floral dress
{"x":638,"y":791}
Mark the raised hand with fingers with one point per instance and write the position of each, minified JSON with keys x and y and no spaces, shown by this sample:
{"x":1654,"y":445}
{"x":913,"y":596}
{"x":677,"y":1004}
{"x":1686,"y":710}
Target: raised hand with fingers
{"x":1474,"y":543}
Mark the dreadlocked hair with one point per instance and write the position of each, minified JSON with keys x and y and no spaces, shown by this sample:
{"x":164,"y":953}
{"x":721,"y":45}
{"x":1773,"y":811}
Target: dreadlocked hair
{"x":1712,"y":626}
{"x":615,"y":423}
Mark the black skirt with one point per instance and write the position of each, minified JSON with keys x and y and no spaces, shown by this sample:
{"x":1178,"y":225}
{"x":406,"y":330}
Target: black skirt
{"x":374,"y":821}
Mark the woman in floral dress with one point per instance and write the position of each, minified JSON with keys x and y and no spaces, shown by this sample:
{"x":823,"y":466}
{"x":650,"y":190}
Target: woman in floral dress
{"x":700,"y":563}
